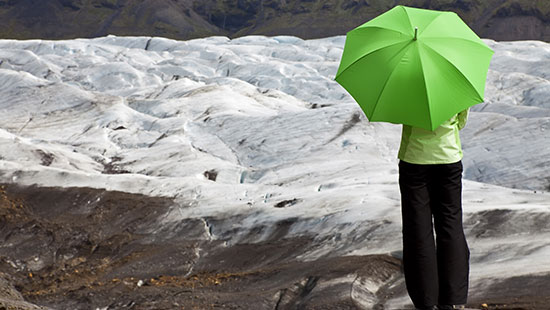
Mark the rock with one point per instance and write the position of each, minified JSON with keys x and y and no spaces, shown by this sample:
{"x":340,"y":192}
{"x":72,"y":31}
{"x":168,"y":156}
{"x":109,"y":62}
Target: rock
{"x":11,"y":299}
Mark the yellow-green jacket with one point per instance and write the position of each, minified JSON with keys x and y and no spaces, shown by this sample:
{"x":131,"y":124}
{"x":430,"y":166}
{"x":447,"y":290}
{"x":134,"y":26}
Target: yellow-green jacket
{"x":441,"y":146}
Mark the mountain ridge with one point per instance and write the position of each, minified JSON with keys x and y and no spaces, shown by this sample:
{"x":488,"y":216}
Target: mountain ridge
{"x":501,"y":20}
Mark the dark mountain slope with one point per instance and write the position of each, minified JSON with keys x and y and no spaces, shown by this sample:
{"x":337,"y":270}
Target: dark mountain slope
{"x":497,"y":19}
{"x":61,"y":19}
{"x":185,"y":19}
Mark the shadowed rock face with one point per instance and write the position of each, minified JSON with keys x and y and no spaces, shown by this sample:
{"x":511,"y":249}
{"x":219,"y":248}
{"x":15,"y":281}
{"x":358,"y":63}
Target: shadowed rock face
{"x":82,"y":248}
{"x":185,"y":19}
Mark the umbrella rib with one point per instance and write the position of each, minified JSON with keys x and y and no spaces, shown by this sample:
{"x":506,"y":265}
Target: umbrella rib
{"x":368,"y":54}
{"x":408,"y":18}
{"x":388,"y":79}
{"x":438,"y":16}
{"x":457,"y":69}
{"x":426,"y":87}
{"x":383,"y":28}
{"x":458,"y":38}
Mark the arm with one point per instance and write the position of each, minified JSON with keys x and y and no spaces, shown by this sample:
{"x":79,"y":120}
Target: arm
{"x":462,"y":118}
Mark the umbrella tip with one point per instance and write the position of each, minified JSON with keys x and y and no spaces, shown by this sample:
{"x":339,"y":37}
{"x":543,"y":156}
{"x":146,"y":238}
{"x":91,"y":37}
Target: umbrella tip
{"x":415,"y":33}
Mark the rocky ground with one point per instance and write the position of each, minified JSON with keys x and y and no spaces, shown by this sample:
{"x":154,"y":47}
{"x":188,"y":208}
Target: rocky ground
{"x":87,"y":249}
{"x":83,"y":248}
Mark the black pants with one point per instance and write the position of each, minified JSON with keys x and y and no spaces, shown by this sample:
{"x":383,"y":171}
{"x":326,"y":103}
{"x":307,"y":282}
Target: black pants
{"x":436,"y":271}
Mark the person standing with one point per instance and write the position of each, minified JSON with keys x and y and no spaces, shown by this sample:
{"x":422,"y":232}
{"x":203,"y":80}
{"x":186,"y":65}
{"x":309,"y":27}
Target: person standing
{"x":430,"y":181}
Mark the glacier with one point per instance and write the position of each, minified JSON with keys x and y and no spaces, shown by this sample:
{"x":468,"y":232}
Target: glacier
{"x":252,"y":132}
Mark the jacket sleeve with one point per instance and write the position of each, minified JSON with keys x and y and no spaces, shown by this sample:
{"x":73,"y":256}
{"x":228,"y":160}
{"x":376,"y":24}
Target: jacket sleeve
{"x":462,"y":118}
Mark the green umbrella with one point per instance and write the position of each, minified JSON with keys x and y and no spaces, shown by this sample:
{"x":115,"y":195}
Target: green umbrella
{"x":415,"y":67}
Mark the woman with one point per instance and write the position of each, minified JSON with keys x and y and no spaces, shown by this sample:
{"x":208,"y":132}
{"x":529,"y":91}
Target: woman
{"x":430,"y":180}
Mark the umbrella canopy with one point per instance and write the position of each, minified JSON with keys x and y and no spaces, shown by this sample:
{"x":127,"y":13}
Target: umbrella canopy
{"x":415,"y":67}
